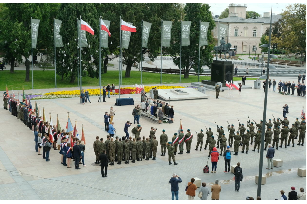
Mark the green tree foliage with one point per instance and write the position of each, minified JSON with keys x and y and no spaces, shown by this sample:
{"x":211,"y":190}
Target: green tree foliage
{"x":194,"y":12}
{"x":252,"y":14}
{"x":224,"y":13}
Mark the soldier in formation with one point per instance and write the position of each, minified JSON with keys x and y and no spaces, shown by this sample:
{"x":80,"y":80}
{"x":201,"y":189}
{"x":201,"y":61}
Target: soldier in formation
{"x":220,"y":130}
{"x":223,"y":142}
{"x":163,"y":141}
{"x":237,"y":143}
{"x":257,"y":140}
{"x":276,"y":137}
{"x":188,"y":140}
{"x":211,"y":145}
{"x":231,"y":134}
{"x":209,"y":134}
{"x":170,"y":149}
{"x":181,"y":138}
{"x":175,"y":140}
{"x":245,"y":141}
{"x":268,"y":137}
{"x":301,"y":137}
{"x":200,"y":140}
{"x":154,"y":148}
{"x":284,"y":136}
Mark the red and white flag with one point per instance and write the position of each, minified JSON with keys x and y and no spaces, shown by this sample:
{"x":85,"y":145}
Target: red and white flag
{"x":127,"y":27}
{"x":176,"y":140}
{"x":85,"y":26}
{"x":189,"y":138}
{"x":180,"y":141}
{"x":235,"y":85}
{"x":303,"y":113}
{"x":104,"y":27}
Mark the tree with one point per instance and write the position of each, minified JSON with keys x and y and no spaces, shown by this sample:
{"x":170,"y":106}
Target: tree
{"x":194,"y":12}
{"x":224,"y":13}
{"x":252,"y":14}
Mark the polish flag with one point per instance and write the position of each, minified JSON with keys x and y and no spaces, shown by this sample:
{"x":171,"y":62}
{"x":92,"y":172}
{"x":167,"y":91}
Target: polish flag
{"x":235,"y":85}
{"x":127,"y":27}
{"x":176,"y":140}
{"x":104,"y":27}
{"x":85,"y":26}
{"x":189,"y":138}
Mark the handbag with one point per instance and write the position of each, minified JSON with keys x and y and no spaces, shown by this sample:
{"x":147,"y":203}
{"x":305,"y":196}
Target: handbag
{"x":200,"y":194}
{"x":186,"y":188}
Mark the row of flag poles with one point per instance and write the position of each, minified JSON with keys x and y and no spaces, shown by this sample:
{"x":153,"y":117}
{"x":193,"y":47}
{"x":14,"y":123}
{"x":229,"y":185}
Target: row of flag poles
{"x":126,"y":29}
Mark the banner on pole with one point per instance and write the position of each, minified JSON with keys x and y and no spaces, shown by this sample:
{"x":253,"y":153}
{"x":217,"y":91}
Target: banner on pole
{"x":203,"y":33}
{"x":104,"y":34}
{"x":81,"y":33}
{"x":126,"y":37}
{"x":57,"y":37}
{"x":146,"y":30}
{"x":166,"y":33}
{"x":185,"y":33}
{"x":34,"y":31}
{"x":222,"y":33}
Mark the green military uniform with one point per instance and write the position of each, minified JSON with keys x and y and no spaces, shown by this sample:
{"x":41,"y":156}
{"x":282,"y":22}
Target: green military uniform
{"x":188,"y":141}
{"x":251,"y":131}
{"x":175,"y":143}
{"x":237,"y":143}
{"x":209,"y":135}
{"x":133,"y":151}
{"x":163,"y":141}
{"x":116,"y":149}
{"x":200,"y":140}
{"x":151,"y":136}
{"x":154,"y":148}
{"x":139,"y":150}
{"x":292,"y":135}
{"x":127,"y":152}
{"x":107,"y":147}
{"x":217,"y":90}
{"x":4,"y":102}
{"x":268,"y":138}
{"x":223,"y":143}
{"x":245,"y":141}
{"x":297,"y":125}
{"x":231,"y":134}
{"x":276,"y":137}
{"x":269,"y":124}
{"x":211,"y":145}
{"x":119,"y":152}
{"x":96,"y":150}
{"x":112,"y":147}
{"x":144,"y":147}
{"x":284,"y":136}
{"x":138,"y":131}
{"x":259,"y":126}
{"x":181,"y":135}
{"x":301,"y":137}
{"x":242,"y":130}
{"x":130,"y":148}
{"x":221,"y":132}
{"x":152,"y":133}
{"x":170,"y":150}
{"x":276,"y":123}
{"x":148,"y":145}
{"x":285,"y":122}
{"x":257,"y":140}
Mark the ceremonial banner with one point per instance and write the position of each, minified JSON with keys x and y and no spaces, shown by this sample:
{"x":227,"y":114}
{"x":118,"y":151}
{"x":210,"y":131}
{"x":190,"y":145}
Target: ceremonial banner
{"x":222,"y":32}
{"x":34,"y":31}
{"x":69,"y":126}
{"x":203,"y":33}
{"x":85,"y":26}
{"x":185,"y":33}
{"x":104,"y":32}
{"x":166,"y":33}
{"x":57,"y":37}
{"x":83,"y":137}
{"x":126,"y":26}
{"x":146,"y":30}
{"x":126,"y":35}
{"x":81,"y":33}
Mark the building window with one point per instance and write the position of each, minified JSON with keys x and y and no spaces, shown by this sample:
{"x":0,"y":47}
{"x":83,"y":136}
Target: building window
{"x":244,"y":48}
{"x":236,"y":32}
{"x":235,"y":47}
{"x":254,"y":33}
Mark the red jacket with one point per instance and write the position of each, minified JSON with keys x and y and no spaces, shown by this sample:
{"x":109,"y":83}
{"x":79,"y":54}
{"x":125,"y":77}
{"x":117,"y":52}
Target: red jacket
{"x":214,"y":155}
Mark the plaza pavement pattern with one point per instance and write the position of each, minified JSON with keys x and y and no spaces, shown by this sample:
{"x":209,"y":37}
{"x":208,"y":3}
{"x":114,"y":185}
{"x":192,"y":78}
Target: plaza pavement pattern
{"x":26,"y":176}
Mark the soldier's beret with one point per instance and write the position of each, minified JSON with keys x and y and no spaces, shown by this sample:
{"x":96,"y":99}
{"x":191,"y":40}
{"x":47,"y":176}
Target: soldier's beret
{"x":293,"y":124}
{"x":221,"y":126}
{"x":261,"y":120}
{"x":269,"y":119}
{"x":247,"y":130}
{"x":201,"y":130}
{"x":286,"y":117}
{"x":139,"y":125}
{"x":181,"y":130}
{"x":163,"y":130}
{"x":101,"y":139}
{"x":242,"y":124}
{"x":237,"y":131}
{"x":252,"y":122}
{"x":209,"y":128}
{"x":232,"y":125}
{"x":169,"y":142}
{"x":223,"y":133}
{"x":188,"y":130}
{"x":212,"y":136}
{"x":297,"y":118}
{"x":175,"y":133}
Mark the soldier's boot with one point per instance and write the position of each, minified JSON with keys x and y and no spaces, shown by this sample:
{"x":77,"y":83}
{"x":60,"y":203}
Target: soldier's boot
{"x":175,"y":163}
{"x":119,"y":162}
{"x":197,"y":148}
{"x":200,"y":148}
{"x":154,"y":158}
{"x":253,"y":150}
{"x":133,"y":161}
{"x":174,"y":153}
{"x":246,"y":152}
{"x":242,"y":151}
{"x":293,"y":145}
{"x":298,"y":143}
{"x":236,"y":153}
{"x":277,"y":146}
{"x":288,"y":143}
{"x":162,"y":154}
{"x":96,"y":162}
{"x":147,"y":158}
{"x":285,"y":146}
{"x":137,"y":159}
{"x":169,"y":163}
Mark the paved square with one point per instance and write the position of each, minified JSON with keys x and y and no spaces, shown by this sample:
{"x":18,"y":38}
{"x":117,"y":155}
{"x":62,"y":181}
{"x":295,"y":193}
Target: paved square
{"x":25,"y":176}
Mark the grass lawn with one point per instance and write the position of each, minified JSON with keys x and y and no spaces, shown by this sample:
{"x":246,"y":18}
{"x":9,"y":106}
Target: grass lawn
{"x":45,"y":79}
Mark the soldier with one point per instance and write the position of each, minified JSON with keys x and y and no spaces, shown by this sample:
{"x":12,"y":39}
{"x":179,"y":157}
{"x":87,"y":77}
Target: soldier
{"x":188,"y":140}
{"x":170,"y":149}
{"x":180,"y":142}
{"x":236,"y":143}
{"x":292,"y":135}
{"x":200,"y":140}
{"x":257,"y":140}
{"x":223,"y":143}
{"x":211,"y":145}
{"x":297,"y":125}
{"x":119,"y":151}
{"x":144,"y":147}
{"x":269,"y":124}
{"x":107,"y":147}
{"x":301,"y":137}
{"x":163,"y":141}
{"x":96,"y":149}
{"x":116,"y":148}
{"x":155,"y":147}
{"x":221,"y":132}
{"x":148,"y":145}
{"x":152,"y":132}
{"x":130,"y":147}
{"x":285,"y":122}
{"x":217,"y":90}
{"x":102,"y":146}
{"x":259,"y":126}
{"x":268,"y":137}
{"x":133,"y":150}
{"x":127,"y":151}
{"x":175,"y":140}
{"x":138,"y":131}
{"x":209,"y":135}
{"x":112,"y":147}
{"x":231,"y":134}
{"x":276,"y":123}
{"x":5,"y":101}
{"x":242,"y":129}
{"x":251,"y":131}
{"x":284,"y":135}
{"x":276,"y":137}
{"x":245,"y":141}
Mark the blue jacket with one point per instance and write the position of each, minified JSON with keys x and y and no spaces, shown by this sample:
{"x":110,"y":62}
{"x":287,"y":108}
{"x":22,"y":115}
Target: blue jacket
{"x":174,"y":183}
{"x":111,"y":129}
{"x":126,"y":127}
{"x":270,"y":152}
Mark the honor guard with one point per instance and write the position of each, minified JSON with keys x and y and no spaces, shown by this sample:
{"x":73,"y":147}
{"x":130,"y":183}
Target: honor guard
{"x":268,"y":137}
{"x":188,"y":140}
{"x":257,"y":140}
{"x":223,"y":143}
{"x":245,"y":141}
{"x":163,"y":141}
{"x":297,"y":125}
{"x":237,"y":143}
{"x":231,"y":134}
{"x":269,"y":124}
{"x":301,"y":137}
{"x":276,"y":123}
{"x":170,"y":149}
{"x":155,"y":147}
{"x":112,"y":151}
{"x":175,"y":140}
{"x":133,"y":150}
{"x":284,"y":135}
{"x":221,"y":132}
{"x":96,"y":149}
{"x":148,"y":145}
{"x":181,"y":138}
{"x":200,"y":140}
{"x":285,"y":122}
{"x":292,"y":135}
{"x":276,"y":137}
{"x":209,"y":134}
{"x":251,"y":131}
{"x":211,"y":145}
{"x":119,"y":151}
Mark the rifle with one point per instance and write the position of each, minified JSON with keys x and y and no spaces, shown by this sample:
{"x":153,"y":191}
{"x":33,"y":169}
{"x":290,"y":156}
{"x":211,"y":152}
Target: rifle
{"x":227,"y":122}
{"x":248,"y":120}
{"x":216,"y":125}
{"x":254,"y":121}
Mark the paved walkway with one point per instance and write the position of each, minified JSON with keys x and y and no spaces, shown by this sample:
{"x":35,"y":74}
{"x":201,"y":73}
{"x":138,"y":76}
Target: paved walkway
{"x":25,"y":176}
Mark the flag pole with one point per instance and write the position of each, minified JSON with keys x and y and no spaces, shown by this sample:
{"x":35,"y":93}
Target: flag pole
{"x":32,"y":55}
{"x":180,"y":52}
{"x":199,"y":51}
{"x":80,"y":62}
{"x":142,"y":53}
{"x":99,"y":60}
{"x":54,"y":54}
{"x":120,"y":55}
{"x":161,"y":50}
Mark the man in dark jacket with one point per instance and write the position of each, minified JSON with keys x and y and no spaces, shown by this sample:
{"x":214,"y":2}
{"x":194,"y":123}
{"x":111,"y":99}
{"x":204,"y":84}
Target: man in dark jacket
{"x":292,"y":88}
{"x":104,"y":94}
{"x":104,"y":163}
{"x":238,"y":176}
{"x":269,"y":156}
{"x":292,"y":195}
{"x":174,"y":185}
{"x":77,"y":155}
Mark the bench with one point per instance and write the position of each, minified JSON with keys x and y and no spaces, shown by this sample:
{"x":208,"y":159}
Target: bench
{"x":277,"y":162}
{"x":301,"y":172}
{"x":263,"y":180}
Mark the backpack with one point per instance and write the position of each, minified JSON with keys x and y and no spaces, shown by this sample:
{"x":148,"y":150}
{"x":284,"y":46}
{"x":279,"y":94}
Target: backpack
{"x":239,"y":173}
{"x":206,"y":169}
{"x":134,"y":130}
{"x":228,"y":155}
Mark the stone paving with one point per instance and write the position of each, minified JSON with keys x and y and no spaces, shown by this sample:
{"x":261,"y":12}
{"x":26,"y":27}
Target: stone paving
{"x":26,"y":176}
